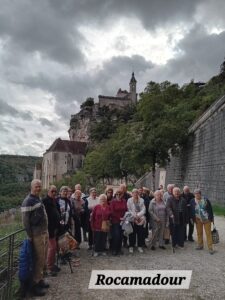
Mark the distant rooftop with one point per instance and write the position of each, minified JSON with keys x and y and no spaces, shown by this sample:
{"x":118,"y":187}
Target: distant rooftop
{"x":67,"y":146}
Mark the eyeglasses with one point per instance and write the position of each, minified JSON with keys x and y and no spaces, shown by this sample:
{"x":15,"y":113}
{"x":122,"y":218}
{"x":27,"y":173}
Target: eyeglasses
{"x":53,"y":191}
{"x":118,"y":194}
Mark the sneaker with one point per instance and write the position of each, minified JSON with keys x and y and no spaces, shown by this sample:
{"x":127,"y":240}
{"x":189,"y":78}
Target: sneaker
{"x":162,"y":247}
{"x":131,"y":250}
{"x":96,"y":254}
{"x":140,"y":250}
{"x":43,"y":284}
{"x":153,"y":248}
{"x":104,"y":254}
{"x":211,"y":252}
{"x":199,"y":248}
{"x":37,"y":291}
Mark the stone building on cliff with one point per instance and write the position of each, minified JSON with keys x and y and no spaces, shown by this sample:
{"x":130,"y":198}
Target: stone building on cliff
{"x":64,"y":157}
{"x":80,"y":123}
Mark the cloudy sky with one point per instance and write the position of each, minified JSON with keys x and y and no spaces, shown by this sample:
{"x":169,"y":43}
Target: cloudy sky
{"x":54,"y":54}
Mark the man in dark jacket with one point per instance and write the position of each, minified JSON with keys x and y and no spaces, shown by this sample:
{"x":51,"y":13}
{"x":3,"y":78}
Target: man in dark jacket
{"x":188,"y":196}
{"x":35,"y":222}
{"x":53,"y":225}
{"x":177,"y":209}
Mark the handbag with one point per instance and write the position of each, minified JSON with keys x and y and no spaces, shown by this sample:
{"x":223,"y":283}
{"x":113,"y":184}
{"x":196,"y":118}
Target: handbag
{"x":215,"y":235}
{"x":166,"y":234}
{"x":105,"y":226}
{"x":66,"y":243}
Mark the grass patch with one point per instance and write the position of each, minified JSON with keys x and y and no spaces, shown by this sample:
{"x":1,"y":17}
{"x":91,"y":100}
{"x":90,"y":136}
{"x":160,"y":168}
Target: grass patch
{"x":218,"y":210}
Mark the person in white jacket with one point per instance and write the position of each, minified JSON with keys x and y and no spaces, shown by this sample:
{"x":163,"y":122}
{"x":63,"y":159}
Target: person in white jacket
{"x":136,"y":206}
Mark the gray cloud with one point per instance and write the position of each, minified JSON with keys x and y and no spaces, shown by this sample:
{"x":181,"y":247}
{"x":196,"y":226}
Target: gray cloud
{"x":46,"y":122}
{"x":3,"y":129}
{"x":6,"y":109}
{"x":36,"y":28}
{"x":39,"y":135}
{"x":201,"y":57}
{"x":18,"y":128}
{"x":71,"y":90}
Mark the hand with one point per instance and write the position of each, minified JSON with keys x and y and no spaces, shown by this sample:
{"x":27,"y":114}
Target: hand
{"x":158,"y":221}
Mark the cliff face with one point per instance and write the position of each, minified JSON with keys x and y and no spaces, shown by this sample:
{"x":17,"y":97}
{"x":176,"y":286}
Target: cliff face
{"x":80,"y":124}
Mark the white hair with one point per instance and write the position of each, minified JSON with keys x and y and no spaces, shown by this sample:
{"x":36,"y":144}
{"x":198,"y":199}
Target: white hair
{"x":35,"y":181}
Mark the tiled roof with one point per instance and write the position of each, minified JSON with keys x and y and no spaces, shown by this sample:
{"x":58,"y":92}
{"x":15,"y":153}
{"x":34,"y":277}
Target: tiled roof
{"x":67,"y":146}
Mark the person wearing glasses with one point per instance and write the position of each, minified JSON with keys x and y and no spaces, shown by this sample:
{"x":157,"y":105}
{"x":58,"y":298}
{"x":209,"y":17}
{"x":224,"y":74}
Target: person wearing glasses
{"x":53,"y":225}
{"x":118,"y":208}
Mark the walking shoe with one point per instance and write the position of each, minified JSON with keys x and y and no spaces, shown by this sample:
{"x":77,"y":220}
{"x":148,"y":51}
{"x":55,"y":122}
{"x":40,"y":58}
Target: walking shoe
{"x":37,"y":291}
{"x":180,"y":247}
{"x":52,"y":273}
{"x":96,"y":254}
{"x":140,"y":250}
{"x":56,"y":268}
{"x":191,"y":239}
{"x":199,"y":248}
{"x":42,"y":284}
{"x":162,"y":247}
{"x":89,"y":247}
{"x":211,"y":252}
{"x":104,"y":254}
{"x":152,"y":247}
{"x":131,"y":250}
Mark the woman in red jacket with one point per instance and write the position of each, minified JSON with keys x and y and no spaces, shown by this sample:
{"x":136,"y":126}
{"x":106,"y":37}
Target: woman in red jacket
{"x":100,"y":224}
{"x":118,"y":208}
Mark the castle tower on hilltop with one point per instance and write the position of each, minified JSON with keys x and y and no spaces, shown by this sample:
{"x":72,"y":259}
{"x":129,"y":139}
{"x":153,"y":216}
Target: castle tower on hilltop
{"x":80,"y":123}
{"x":133,"y":92}
{"x":123,"y":98}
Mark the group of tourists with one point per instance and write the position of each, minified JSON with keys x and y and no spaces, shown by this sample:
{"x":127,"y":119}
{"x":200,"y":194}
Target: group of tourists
{"x":112,"y":222}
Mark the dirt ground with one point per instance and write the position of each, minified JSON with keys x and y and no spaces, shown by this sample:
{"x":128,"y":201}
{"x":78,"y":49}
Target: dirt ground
{"x":208,"y":277}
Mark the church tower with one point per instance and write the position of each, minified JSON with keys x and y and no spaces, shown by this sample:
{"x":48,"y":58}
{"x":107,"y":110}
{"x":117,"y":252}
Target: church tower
{"x":133,"y":92}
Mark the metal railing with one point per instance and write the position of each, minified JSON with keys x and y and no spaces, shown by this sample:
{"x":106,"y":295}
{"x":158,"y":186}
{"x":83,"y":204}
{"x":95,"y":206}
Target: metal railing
{"x":9,"y":263}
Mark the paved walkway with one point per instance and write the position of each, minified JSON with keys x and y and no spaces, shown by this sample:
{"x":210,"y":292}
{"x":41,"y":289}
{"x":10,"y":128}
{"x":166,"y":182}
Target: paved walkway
{"x":208,"y":277}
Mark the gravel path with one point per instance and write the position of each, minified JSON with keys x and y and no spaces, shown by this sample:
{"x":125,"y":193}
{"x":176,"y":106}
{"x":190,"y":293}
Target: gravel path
{"x":208,"y":277}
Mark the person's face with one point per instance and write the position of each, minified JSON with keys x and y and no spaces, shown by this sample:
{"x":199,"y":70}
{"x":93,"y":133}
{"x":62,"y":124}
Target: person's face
{"x":170,"y":189}
{"x":94,"y":194}
{"x":140,"y":191}
{"x":78,"y":187}
{"x":158,"y":196}
{"x":77,"y":195}
{"x":118,"y":195}
{"x":198,"y":196}
{"x":109,"y":194}
{"x":103,"y":200}
{"x":64,"y":193}
{"x":186,"y":190}
{"x":53,"y":193}
{"x":36,"y":189}
{"x":176,"y":194}
{"x":69,"y":193}
{"x":135,"y":194}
